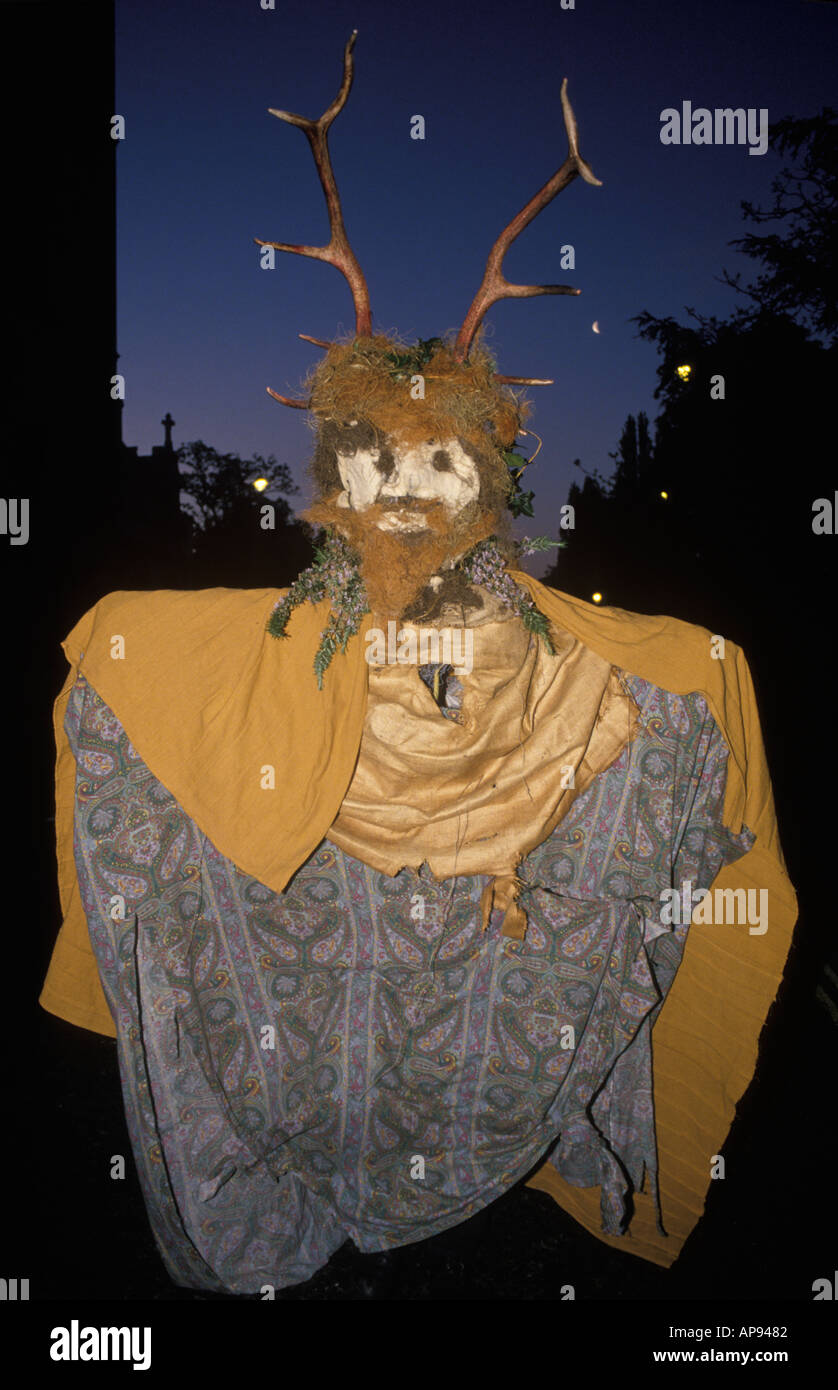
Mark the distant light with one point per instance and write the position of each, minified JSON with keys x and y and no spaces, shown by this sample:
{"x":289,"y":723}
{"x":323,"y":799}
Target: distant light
{"x":684,"y":372}
{"x":595,"y":325}
{"x":665,"y":496}
{"x":260,"y":484}
{"x":597,"y":598}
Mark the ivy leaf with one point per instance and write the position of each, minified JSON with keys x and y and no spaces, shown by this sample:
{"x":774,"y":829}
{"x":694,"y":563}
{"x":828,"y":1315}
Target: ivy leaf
{"x":514,"y":462}
{"x":414,"y":359}
{"x":520,"y":503}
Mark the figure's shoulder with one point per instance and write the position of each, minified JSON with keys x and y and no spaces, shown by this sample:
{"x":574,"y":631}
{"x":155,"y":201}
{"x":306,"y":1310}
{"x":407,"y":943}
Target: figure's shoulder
{"x":667,"y":651}
{"x":187,"y":604}
{"x":192,"y":615}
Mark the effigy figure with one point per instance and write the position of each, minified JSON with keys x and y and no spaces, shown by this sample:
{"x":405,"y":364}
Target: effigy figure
{"x":385,"y":884}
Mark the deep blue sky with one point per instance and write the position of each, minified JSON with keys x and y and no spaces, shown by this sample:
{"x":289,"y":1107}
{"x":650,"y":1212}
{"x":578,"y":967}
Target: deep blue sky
{"x":202,"y":330}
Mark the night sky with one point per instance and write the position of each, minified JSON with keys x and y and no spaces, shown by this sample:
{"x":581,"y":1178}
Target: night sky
{"x":204,"y":169}
{"x":202,"y":331}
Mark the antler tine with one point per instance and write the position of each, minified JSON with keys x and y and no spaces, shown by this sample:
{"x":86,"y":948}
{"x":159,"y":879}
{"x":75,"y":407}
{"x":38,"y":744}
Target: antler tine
{"x":287,"y":400}
{"x":337,"y":251}
{"x":526,"y":380}
{"x":494,"y":285}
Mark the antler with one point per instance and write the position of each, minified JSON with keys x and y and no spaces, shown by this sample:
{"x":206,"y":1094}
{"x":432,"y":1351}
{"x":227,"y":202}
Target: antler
{"x":288,"y":400}
{"x":337,"y":252}
{"x":494,"y":285}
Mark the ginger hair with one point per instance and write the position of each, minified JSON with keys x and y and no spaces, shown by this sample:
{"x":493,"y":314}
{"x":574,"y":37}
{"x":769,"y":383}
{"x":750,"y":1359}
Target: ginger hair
{"x":359,"y":397}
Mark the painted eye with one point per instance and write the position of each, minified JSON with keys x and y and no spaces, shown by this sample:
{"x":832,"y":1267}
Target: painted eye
{"x":442,"y":461}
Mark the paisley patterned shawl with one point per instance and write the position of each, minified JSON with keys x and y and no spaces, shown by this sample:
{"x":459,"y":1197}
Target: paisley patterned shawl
{"x":287,"y":1059}
{"x":197,"y":731}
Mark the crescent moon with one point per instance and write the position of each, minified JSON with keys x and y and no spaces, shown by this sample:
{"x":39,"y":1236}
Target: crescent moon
{"x":595,"y":325}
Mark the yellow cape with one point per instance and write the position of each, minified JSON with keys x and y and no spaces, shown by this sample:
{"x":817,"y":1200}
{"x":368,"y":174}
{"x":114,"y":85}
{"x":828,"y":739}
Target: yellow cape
{"x":210,"y":700}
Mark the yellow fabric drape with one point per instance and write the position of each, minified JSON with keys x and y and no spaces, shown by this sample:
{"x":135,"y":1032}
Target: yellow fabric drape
{"x":217,"y":708}
{"x":475,"y":797}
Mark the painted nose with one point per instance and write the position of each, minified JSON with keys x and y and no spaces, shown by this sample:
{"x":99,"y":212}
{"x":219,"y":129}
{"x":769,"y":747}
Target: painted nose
{"x":404,"y":479}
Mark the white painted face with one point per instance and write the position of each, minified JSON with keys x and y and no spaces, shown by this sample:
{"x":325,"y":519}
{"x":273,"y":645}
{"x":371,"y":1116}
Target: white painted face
{"x":416,"y":476}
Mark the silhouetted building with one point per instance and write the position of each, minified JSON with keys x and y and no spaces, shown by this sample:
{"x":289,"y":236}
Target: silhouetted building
{"x":150,"y":529}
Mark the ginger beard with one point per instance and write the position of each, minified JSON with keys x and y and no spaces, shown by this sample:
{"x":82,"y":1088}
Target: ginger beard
{"x":410,"y":510}
{"x":397,"y":565}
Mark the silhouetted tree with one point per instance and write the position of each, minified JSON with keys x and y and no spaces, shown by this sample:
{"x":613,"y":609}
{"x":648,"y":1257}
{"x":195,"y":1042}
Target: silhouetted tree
{"x":634,"y":459}
{"x":240,"y":536}
{"x":746,"y":402}
{"x":800,"y":278}
{"x":217,"y":487}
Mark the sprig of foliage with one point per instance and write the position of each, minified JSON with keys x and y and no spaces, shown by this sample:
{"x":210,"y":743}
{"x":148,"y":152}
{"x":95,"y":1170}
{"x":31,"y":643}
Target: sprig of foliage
{"x":531,"y":545}
{"x":333,"y":638}
{"x":308,"y":585}
{"x":485,"y":565}
{"x":520,"y":502}
{"x":535,"y":621}
{"x":412,"y":361}
{"x":336,"y":574}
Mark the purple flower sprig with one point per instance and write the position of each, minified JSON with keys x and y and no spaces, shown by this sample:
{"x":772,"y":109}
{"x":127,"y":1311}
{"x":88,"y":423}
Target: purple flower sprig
{"x":532,"y":545}
{"x":334,"y":574}
{"x":485,"y":565}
